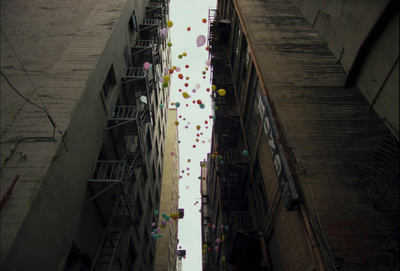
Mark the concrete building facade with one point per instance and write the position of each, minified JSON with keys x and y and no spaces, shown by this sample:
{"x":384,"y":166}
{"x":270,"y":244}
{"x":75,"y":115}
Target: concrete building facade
{"x":303,"y":172}
{"x":166,"y":249}
{"x":82,"y":127}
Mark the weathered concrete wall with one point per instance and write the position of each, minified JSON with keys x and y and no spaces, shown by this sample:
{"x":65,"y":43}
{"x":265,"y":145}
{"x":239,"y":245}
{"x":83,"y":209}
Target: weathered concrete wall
{"x":67,"y":49}
{"x":345,"y":26}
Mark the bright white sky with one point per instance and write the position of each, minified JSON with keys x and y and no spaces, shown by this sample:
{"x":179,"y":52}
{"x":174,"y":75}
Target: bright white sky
{"x":184,"y":14}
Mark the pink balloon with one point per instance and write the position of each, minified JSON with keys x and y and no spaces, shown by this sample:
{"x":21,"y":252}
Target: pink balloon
{"x":172,"y":153}
{"x":178,"y":69}
{"x":216,"y":248}
{"x":201,"y":40}
{"x":208,"y":62}
{"x":146,"y":66}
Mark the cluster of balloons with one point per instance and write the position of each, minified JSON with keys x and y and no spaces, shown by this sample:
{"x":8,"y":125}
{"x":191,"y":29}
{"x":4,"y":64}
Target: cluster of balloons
{"x":155,"y":232}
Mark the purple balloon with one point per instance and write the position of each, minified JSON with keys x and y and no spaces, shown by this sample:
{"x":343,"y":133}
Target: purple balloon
{"x":200,"y":40}
{"x":164,"y":31}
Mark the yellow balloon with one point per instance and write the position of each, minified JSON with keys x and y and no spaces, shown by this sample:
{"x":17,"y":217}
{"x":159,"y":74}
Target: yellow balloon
{"x":205,"y":246}
{"x":223,"y":259}
{"x":213,"y":155}
{"x":184,"y":54}
{"x":166,"y":78}
{"x":176,"y":123}
{"x":221,"y":92}
{"x":198,"y":127}
{"x":213,"y":87}
{"x":185,"y":95}
{"x":170,"y":24}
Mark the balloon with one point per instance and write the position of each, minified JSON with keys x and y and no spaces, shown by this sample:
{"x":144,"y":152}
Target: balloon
{"x":198,"y":127}
{"x":200,"y":40}
{"x":221,"y":92}
{"x":158,"y":229}
{"x":163,"y":223}
{"x":166,"y":78}
{"x":208,"y":62}
{"x":202,"y":106}
{"x":188,"y":29}
{"x":161,"y":105}
{"x":199,"y":102}
{"x":164,"y":31}
{"x":160,"y":235}
{"x":152,"y":233}
{"x":172,"y":154}
{"x":166,"y":69}
{"x":180,"y":56}
{"x":205,"y":246}
{"x":184,"y":54}
{"x":169,"y":44}
{"x":161,"y":79}
{"x":155,"y":236}
{"x":155,"y":230}
{"x":153,"y":224}
{"x":204,"y":20}
{"x":176,"y":123}
{"x":185,"y":95}
{"x":197,"y":86}
{"x":213,"y":226}
{"x":245,"y":153}
{"x":217,"y":240}
{"x":187,"y":66}
{"x":226,"y":227}
{"x":170,"y":24}
{"x":186,"y":84}
{"x":213,"y":87}
{"x":167,"y":218}
{"x":180,"y":76}
{"x":171,"y":71}
{"x":177,"y":104}
{"x":223,"y":259}
{"x":163,"y":215}
{"x":178,"y":69}
{"x":209,"y":249}
{"x":165,"y":85}
{"x":146,"y":66}
{"x":156,"y":212}
{"x":216,"y":248}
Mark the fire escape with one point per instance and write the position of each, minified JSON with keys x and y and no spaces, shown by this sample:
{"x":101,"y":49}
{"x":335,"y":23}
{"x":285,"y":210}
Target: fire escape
{"x":115,"y":183}
{"x":232,"y":175}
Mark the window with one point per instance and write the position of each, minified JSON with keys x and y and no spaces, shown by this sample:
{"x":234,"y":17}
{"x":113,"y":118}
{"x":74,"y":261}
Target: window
{"x":133,"y":23}
{"x":109,"y":82}
{"x":149,"y":143}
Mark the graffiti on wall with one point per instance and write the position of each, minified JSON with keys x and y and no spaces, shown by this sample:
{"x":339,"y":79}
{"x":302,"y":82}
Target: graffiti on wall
{"x":283,"y":174}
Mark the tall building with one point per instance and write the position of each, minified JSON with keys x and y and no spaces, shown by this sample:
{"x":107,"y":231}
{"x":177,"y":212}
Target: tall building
{"x":82,"y":132}
{"x":303,"y":171}
{"x":169,"y":214}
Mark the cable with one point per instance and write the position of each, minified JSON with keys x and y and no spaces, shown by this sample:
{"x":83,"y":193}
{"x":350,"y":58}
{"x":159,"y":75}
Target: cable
{"x":19,"y":93}
{"x":35,"y":89}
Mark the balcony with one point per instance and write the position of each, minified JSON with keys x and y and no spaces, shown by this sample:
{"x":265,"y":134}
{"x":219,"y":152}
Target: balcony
{"x":145,"y":51}
{"x":150,"y":29}
{"x":139,"y":84}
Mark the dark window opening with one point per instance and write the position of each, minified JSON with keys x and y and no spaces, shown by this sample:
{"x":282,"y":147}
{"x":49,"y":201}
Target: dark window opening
{"x":109,"y":82}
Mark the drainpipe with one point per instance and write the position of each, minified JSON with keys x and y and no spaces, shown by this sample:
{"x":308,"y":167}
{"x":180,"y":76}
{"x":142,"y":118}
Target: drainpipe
{"x":8,"y":192}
